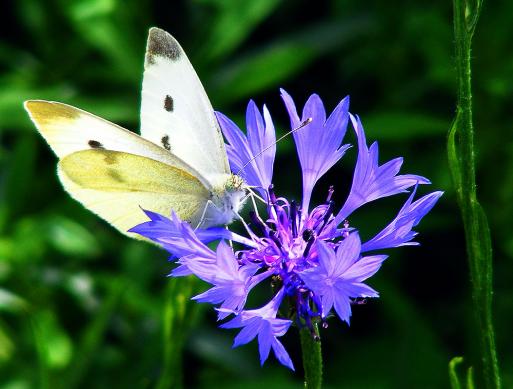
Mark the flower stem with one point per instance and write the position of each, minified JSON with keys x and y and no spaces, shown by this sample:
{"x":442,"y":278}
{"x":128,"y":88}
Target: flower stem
{"x":462,"y":164}
{"x":312,"y":358}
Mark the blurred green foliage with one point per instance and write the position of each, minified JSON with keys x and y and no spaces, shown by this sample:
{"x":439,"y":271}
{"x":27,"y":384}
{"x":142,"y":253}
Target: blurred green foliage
{"x":83,"y":306}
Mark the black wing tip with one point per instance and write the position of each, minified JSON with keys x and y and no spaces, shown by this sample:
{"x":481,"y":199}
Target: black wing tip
{"x":161,"y":44}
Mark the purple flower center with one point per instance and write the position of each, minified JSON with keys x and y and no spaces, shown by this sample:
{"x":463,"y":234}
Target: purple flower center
{"x":286,"y":247}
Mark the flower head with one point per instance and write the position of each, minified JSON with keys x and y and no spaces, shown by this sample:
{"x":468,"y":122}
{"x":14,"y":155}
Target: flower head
{"x":312,"y":257}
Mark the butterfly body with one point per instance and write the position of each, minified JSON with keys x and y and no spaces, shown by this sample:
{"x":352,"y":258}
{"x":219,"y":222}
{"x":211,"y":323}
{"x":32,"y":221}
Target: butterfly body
{"x":226,"y":200}
{"x":178,"y":163}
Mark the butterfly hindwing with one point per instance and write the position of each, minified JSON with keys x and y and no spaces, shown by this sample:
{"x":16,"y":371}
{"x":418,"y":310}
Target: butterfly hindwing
{"x":116,"y":185}
{"x":175,"y":111}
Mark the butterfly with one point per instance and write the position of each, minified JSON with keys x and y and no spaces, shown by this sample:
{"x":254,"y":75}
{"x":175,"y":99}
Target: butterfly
{"x":178,"y":163}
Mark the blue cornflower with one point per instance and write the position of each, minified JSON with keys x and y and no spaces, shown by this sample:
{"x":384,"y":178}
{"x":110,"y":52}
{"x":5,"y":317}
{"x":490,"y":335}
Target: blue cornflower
{"x":312,"y":257}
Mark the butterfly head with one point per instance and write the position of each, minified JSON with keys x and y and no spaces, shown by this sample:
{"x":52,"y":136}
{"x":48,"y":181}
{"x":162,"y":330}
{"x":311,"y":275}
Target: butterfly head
{"x":226,"y":202}
{"x":235,"y":183}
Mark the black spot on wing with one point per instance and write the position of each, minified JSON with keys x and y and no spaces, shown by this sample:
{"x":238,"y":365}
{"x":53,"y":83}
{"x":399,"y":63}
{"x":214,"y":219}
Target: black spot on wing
{"x":94,"y":144}
{"x":169,"y":104}
{"x":165,"y":142}
{"x":162,"y":44}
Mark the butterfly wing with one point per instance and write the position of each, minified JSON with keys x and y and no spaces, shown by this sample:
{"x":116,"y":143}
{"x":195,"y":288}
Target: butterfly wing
{"x":68,"y":129}
{"x":116,"y":185}
{"x":175,"y":111}
{"x":115,"y":172}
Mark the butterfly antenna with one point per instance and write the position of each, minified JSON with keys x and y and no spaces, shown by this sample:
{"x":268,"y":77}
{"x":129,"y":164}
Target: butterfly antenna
{"x":303,"y":124}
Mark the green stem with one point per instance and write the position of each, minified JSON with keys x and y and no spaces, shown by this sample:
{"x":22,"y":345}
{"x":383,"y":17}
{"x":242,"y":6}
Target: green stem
{"x":462,"y":163}
{"x":312,"y":358}
{"x":179,"y":316}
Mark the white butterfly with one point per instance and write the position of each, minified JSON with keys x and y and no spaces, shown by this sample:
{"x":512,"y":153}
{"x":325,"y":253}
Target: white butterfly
{"x":178,"y":163}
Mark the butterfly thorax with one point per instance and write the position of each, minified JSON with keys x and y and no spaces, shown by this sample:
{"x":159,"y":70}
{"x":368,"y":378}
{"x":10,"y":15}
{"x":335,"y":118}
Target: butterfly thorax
{"x":226,"y":200}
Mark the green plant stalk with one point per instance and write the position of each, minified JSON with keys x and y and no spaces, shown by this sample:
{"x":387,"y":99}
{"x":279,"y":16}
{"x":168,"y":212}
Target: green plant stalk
{"x":462,"y":164}
{"x":179,"y":316}
{"x":312,"y":357}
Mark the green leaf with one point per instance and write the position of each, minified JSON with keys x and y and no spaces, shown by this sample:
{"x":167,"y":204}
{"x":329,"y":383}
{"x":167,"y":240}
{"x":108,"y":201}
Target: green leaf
{"x":470,"y":378}
{"x":7,"y":345}
{"x":279,"y":61}
{"x":251,"y":75}
{"x":70,"y":237}
{"x":55,"y":347}
{"x":28,"y":242}
{"x":234,"y":21}
{"x":19,"y":383}
{"x":10,"y":302}
{"x":453,"y":375}
{"x":454,"y":379}
{"x":95,"y":21}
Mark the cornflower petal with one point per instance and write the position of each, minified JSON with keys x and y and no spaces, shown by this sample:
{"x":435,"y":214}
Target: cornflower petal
{"x":215,"y":233}
{"x":263,"y":324}
{"x":364,"y":268}
{"x":319,"y":144}
{"x":338,"y":277}
{"x":258,"y":146}
{"x":179,"y":239}
{"x":173,"y":234}
{"x":399,"y":231}
{"x":371,"y":181}
{"x":231,"y":281}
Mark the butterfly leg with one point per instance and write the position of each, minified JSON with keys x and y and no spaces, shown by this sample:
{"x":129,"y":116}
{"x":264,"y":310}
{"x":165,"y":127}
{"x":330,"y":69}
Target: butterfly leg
{"x":229,"y":241}
{"x":203,"y":214}
{"x":254,"y":196}
{"x":250,"y":189}
{"x":246,"y":226}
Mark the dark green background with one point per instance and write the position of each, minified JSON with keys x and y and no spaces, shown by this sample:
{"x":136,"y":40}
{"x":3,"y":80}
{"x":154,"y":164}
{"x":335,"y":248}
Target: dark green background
{"x":83,"y":306}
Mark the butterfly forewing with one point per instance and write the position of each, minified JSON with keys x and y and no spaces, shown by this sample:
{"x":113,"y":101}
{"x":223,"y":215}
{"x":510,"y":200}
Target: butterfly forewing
{"x":175,"y":111}
{"x":68,"y":129}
